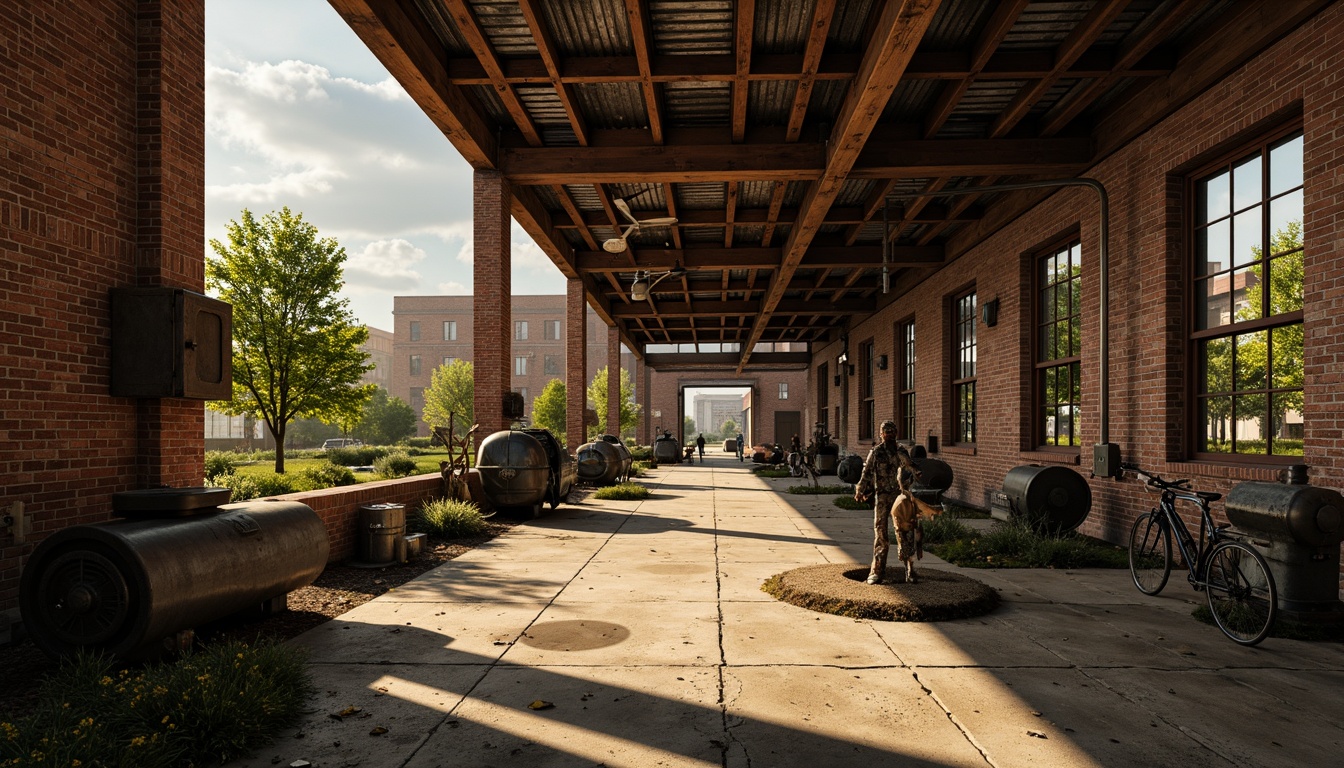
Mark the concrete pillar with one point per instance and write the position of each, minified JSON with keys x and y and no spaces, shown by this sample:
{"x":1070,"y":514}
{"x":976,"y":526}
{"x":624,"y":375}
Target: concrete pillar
{"x":576,"y":365}
{"x":492,"y":316}
{"x":613,"y":382}
{"x":170,"y":213}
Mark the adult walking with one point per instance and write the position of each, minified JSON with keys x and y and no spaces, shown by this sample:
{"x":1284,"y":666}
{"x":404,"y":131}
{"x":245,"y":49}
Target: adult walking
{"x":700,"y":445}
{"x":739,"y":447}
{"x":887,"y":475}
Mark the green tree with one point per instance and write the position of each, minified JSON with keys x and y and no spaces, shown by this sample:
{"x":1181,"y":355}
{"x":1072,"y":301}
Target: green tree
{"x":729,"y":429}
{"x":451,"y":394}
{"x":386,"y":420}
{"x":295,"y":342}
{"x":688,"y":430}
{"x":597,"y":397}
{"x":549,"y":409}
{"x":309,"y":433}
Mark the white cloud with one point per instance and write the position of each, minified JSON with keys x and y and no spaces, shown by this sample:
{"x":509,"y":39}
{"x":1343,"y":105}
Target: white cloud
{"x":384,"y":265}
{"x":451,"y":288}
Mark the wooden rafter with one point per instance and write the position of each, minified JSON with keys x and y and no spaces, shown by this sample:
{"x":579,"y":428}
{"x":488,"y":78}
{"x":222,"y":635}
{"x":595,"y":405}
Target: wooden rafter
{"x":641,"y":36}
{"x":730,"y":211}
{"x":1005,"y":15}
{"x":1088,"y":30}
{"x":670,"y":197}
{"x":575,"y":215}
{"x":546,"y":47}
{"x":744,"y":26}
{"x":816,"y":41}
{"x":465,"y":19}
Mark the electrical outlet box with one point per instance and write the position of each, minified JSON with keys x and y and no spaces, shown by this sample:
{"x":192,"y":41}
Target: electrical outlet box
{"x":171,"y":342}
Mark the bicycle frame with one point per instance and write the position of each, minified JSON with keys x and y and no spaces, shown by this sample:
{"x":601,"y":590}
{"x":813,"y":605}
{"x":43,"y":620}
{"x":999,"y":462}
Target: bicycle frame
{"x":1193,"y":551}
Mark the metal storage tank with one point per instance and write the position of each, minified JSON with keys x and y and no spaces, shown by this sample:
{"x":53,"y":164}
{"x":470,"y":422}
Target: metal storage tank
{"x":515,"y":470}
{"x":1052,"y":499}
{"x":666,"y":449}
{"x":601,"y":463}
{"x":564,"y":474}
{"x":181,"y":561}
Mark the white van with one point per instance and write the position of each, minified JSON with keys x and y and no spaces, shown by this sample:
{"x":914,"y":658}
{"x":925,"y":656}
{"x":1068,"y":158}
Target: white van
{"x":341,"y":442}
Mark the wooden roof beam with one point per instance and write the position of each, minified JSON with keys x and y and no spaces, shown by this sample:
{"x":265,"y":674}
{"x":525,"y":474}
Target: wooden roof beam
{"x":541,"y":35}
{"x":641,"y":33}
{"x":744,"y":25}
{"x":465,"y":19}
{"x":1003,"y":19}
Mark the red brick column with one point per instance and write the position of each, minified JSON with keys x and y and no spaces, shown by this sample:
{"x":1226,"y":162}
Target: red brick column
{"x":576,"y":365}
{"x":613,"y":382}
{"x":492,"y":316}
{"x":170,"y":213}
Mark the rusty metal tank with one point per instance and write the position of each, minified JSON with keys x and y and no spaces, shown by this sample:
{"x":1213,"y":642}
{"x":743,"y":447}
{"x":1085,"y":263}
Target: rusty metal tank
{"x":178,"y":561}
{"x":515,"y":470}
{"x":564,"y":474}
{"x":667,"y":449}
{"x":1051,"y":499}
{"x":603,"y":462}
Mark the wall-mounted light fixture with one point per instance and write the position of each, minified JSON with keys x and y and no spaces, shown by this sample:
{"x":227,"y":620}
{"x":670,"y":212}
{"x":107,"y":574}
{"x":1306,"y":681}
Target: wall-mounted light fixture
{"x":881,"y":362}
{"x":989,"y":312}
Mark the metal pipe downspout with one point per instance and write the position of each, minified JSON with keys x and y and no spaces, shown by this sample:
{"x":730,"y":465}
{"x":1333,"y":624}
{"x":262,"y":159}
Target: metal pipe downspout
{"x":1103,"y":259}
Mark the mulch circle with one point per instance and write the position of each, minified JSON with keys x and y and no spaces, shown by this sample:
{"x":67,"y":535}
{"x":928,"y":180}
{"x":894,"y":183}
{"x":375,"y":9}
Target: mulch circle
{"x":840,"y":589}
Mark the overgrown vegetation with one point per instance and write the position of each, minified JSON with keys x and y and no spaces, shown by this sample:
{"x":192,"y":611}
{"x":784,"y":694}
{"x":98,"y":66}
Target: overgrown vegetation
{"x":848,"y":502}
{"x":245,"y":487}
{"x":356,"y":456}
{"x":451,"y":519}
{"x":395,"y":464}
{"x":1017,"y":545}
{"x":822,"y":490}
{"x":623,"y":492}
{"x":326,"y":476}
{"x":204,"y":709}
{"x":220,"y":463}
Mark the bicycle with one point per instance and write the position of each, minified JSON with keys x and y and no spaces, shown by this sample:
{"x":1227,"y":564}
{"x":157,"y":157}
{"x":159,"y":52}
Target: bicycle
{"x":1234,"y":577}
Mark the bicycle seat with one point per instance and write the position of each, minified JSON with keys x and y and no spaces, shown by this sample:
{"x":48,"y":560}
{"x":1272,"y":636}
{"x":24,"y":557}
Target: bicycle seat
{"x":1208,"y":495}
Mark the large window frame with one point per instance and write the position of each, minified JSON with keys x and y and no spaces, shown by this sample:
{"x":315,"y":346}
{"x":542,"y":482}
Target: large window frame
{"x":520,"y":330}
{"x":905,"y":379}
{"x":450,"y":330}
{"x":823,"y":396}
{"x":963,"y":380}
{"x":1057,"y":319}
{"x":1247,"y":353}
{"x":867,"y":391}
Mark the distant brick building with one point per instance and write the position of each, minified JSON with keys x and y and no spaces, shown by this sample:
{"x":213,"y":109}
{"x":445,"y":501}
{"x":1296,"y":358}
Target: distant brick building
{"x":379,"y":350}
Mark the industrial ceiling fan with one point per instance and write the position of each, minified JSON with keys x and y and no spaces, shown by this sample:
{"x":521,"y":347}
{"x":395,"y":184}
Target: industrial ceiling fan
{"x":644,"y":281}
{"x":618,"y":244}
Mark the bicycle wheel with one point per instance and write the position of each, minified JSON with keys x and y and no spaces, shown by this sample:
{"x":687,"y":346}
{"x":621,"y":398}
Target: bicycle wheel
{"x":1150,"y":553}
{"x":1241,"y":592}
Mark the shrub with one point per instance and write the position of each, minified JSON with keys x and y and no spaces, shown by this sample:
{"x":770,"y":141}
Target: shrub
{"x":770,"y":471}
{"x":623,"y":492}
{"x":326,"y":475}
{"x":421,"y":442}
{"x":848,"y":502}
{"x":246,"y":487}
{"x":356,"y":456}
{"x":451,"y":519}
{"x":641,"y":452}
{"x":638,"y":468}
{"x":220,"y":463}
{"x":1017,"y":545}
{"x":395,"y":465}
{"x":945,"y":528}
{"x":203,"y":709}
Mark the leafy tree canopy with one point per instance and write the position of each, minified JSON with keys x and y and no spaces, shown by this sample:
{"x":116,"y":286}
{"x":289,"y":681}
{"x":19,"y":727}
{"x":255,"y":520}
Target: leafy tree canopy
{"x":550,"y":408}
{"x":386,"y":420}
{"x":451,"y":394}
{"x":295,"y":342}
{"x":597,"y":397}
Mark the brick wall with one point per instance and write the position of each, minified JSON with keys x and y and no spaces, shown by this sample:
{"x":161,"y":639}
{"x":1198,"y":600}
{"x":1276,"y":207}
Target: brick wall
{"x":1147,"y":358}
{"x":339,"y":507}
{"x":101,"y":185}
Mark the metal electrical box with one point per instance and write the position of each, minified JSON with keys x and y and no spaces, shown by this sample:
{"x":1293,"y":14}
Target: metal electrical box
{"x":171,"y":342}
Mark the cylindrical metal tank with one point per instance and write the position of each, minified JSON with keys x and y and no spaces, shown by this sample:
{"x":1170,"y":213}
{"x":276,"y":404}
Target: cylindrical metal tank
{"x":850,"y":470}
{"x":126,"y":585}
{"x":601,"y":463}
{"x":1297,"y":527}
{"x":934,"y":474}
{"x":514,"y":470}
{"x":666,"y":449}
{"x":563,"y":472}
{"x":378,"y":529}
{"x":1052,"y":499}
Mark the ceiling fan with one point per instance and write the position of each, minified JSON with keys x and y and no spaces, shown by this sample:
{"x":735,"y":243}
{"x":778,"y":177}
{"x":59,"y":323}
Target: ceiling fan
{"x":618,"y":244}
{"x":644,"y":281}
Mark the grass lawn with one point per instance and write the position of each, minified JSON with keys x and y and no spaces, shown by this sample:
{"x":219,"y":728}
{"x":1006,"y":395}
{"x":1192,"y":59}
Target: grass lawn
{"x":425,"y":464}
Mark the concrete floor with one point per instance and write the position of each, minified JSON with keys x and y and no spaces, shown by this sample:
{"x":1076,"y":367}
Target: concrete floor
{"x":640,"y":632}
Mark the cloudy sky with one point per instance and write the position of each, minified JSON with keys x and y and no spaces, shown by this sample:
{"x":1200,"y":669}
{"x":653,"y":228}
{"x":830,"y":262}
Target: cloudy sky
{"x":300,"y":114}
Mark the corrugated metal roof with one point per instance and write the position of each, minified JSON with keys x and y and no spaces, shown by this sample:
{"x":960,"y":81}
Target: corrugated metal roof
{"x":692,"y":104}
{"x":589,"y":28}
{"x":770,"y":102}
{"x":683,"y":27}
{"x":705,"y":195}
{"x":505,"y":27}
{"x":781,"y":25}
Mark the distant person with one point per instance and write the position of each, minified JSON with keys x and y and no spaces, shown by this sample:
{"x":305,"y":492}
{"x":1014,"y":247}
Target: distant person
{"x":700,"y":445}
{"x":740,"y":450}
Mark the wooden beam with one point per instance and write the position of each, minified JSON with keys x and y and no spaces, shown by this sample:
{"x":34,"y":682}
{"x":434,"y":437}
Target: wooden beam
{"x":532,"y":216}
{"x":785,"y":162}
{"x":920,"y":211}
{"x":415,"y":57}
{"x":1074,"y":45}
{"x":744,"y":25}
{"x":541,"y":35}
{"x":470,"y":30}
{"x":820,"y":26}
{"x":1005,"y":15}
{"x":641,"y":33}
{"x":716,"y":309}
{"x":714,"y":258}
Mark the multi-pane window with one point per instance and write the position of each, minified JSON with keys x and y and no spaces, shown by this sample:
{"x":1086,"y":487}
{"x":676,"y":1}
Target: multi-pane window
{"x":415,"y":330}
{"x":520,"y":366}
{"x":1058,"y":282}
{"x":449,"y":360}
{"x":905,"y":375}
{"x":520,"y":330}
{"x":1247,"y":337}
{"x":867,"y":404}
{"x":783,"y":390}
{"x":415,"y":365}
{"x":823,"y":393}
{"x":450,"y":330}
{"x":551,"y":365}
{"x":963,"y":368}
{"x":417,"y":398}
{"x":551,"y":329}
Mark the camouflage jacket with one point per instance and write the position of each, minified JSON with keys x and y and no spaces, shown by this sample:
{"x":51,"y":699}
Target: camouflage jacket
{"x":887,"y":471}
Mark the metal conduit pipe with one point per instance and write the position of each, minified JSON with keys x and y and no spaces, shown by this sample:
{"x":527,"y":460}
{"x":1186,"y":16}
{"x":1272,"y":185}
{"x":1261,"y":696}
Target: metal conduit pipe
{"x":1105,"y":455}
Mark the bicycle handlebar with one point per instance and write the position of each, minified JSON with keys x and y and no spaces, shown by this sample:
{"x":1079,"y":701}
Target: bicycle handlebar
{"x":1153,"y":480}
